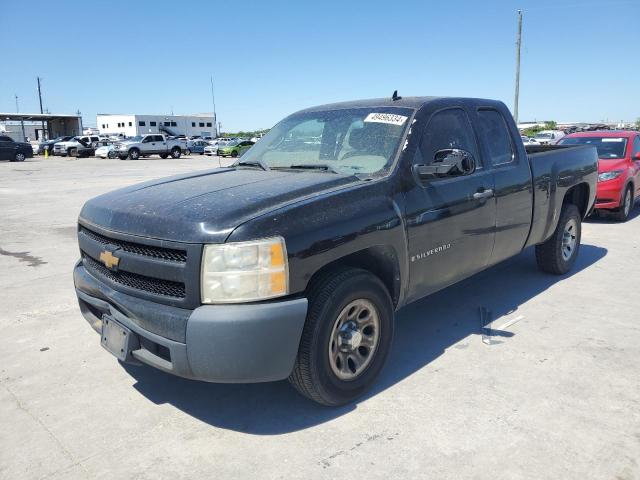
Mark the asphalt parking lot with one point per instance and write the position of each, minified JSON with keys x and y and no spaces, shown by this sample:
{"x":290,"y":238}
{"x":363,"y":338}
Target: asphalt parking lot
{"x":553,"y":393}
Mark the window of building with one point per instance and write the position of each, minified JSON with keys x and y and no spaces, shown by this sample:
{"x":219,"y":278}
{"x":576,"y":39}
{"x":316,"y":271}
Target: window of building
{"x":193,"y":124}
{"x":167,"y":124}
{"x":201,"y":124}
{"x":142,"y":124}
{"x":130,"y":124}
{"x":103,"y":126}
{"x":152,"y":124}
{"x":174,"y":124}
{"x":208,"y":124}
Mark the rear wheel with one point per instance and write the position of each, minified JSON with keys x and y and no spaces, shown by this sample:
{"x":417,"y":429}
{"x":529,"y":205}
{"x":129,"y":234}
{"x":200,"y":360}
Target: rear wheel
{"x":558,"y":254}
{"x":176,"y":152}
{"x":346,"y":337}
{"x":134,"y":154}
{"x":622,"y":214}
{"x":72,"y":152}
{"x":164,"y":155}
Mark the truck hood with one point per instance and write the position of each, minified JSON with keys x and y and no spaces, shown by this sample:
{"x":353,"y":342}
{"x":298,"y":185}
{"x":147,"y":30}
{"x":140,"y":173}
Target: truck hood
{"x":204,"y":207}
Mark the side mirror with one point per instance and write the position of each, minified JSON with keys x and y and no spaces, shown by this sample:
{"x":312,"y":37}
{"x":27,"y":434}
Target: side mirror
{"x":637,"y":157}
{"x":450,"y":162}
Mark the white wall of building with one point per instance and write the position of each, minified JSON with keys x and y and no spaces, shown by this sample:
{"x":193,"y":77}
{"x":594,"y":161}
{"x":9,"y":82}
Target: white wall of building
{"x":130,"y":125}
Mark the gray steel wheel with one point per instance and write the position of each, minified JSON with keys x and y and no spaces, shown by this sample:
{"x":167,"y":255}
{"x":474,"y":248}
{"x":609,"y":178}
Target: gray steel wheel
{"x":354,"y":339}
{"x":20,"y":157}
{"x":569,"y":239}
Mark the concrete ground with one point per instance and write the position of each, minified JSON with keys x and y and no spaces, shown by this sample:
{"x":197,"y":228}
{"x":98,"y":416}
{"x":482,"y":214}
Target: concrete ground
{"x":553,"y":394}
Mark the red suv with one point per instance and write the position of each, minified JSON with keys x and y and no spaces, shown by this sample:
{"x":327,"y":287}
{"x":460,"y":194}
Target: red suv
{"x":618,"y":168}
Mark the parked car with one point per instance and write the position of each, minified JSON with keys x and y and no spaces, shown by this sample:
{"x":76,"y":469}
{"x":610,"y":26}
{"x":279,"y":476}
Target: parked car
{"x":618,"y":168}
{"x":234,"y":148}
{"x":145,"y":145}
{"x":529,"y":141}
{"x":106,"y":151}
{"x":292,"y":262}
{"x":548,"y":137}
{"x":35,"y":147}
{"x":196,"y":146}
{"x":48,"y":145}
{"x":84,"y":149}
{"x":14,"y":151}
{"x":71,"y":146}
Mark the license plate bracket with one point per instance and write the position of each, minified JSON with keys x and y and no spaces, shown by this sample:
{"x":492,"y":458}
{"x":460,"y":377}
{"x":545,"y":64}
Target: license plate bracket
{"x":115,"y":338}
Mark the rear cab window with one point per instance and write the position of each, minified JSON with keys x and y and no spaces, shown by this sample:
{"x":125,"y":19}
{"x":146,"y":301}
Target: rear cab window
{"x":495,"y":135}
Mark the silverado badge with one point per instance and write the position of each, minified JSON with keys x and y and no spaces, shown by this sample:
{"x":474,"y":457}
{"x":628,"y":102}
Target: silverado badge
{"x":109,"y":259}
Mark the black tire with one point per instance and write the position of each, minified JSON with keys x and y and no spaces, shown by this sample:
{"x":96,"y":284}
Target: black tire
{"x":134,"y":154}
{"x":111,"y":154}
{"x":234,"y":154}
{"x":626,"y":205}
{"x":164,"y":155}
{"x":72,"y":152}
{"x":122,"y":157}
{"x":312,"y":374}
{"x":552,"y":256}
{"x":176,"y":152}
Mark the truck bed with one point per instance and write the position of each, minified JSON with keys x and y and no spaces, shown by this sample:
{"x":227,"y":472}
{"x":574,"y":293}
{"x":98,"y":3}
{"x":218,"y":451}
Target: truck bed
{"x":555,"y":169}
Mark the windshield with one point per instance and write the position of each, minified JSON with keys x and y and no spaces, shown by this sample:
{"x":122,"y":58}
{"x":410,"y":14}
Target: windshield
{"x":608,"y":147}
{"x":233,"y":143}
{"x":356,"y":140}
{"x":137,"y":138}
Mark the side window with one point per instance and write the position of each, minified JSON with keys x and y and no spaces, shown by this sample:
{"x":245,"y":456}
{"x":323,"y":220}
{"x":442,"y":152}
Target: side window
{"x":495,"y":135}
{"x":448,"y":129}
{"x":636,"y":146}
{"x":152,"y":124}
{"x":159,"y":138}
{"x":6,"y":139}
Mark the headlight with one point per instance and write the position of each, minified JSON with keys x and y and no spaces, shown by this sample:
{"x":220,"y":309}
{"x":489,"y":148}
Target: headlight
{"x":244,"y":271}
{"x":603,"y":177}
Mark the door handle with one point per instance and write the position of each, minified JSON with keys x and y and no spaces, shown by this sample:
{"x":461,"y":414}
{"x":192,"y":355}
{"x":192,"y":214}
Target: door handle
{"x":483,"y":194}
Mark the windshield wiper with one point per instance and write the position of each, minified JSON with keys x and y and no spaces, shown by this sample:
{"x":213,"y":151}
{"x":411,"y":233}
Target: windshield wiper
{"x":253,"y":163}
{"x":314,"y":166}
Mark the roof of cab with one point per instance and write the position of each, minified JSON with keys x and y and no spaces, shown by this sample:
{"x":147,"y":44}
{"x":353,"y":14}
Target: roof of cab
{"x":406,"y":102}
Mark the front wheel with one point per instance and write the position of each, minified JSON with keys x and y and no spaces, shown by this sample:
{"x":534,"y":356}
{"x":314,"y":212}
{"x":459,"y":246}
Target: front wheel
{"x":346,"y":338}
{"x":164,"y":155}
{"x":134,"y":154}
{"x":558,"y":254}
{"x":234,"y":154}
{"x":19,"y":157}
{"x":622,"y":214}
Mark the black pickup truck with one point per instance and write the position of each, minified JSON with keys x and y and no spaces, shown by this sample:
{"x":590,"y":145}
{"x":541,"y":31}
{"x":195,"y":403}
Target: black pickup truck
{"x":292,"y":262}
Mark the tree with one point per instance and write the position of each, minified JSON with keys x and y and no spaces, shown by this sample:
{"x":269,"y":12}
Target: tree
{"x":552,"y":125}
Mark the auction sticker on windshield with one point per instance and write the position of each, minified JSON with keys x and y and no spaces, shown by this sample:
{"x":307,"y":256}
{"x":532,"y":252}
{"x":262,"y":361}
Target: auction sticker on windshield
{"x":390,"y":118}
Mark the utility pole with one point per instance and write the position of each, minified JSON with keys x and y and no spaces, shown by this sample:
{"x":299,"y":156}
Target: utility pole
{"x":24,"y":135}
{"x":213,"y":100}
{"x":518,"y":44}
{"x":41,"y":112}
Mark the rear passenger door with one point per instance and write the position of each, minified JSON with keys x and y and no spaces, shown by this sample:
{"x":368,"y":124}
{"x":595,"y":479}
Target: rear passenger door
{"x":512,"y":182}
{"x":450,"y":220}
{"x":635,"y":151}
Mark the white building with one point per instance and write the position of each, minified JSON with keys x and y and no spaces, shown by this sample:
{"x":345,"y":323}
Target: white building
{"x":130,"y":125}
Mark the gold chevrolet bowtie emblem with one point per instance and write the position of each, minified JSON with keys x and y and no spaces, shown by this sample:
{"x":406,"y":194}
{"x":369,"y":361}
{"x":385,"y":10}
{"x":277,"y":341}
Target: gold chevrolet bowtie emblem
{"x":109,"y":259}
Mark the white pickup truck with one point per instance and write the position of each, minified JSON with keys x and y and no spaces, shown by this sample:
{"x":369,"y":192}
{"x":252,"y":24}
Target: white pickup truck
{"x":70,"y":147}
{"x":145,"y":145}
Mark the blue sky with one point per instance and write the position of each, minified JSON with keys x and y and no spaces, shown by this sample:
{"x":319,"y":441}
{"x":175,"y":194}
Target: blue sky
{"x":580,"y":59}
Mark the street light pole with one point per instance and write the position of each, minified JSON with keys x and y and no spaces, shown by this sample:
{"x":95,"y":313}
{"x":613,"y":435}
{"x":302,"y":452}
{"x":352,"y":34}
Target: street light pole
{"x":213,"y":100}
{"x":24,"y":135}
{"x":41,"y":112}
{"x":518,"y":44}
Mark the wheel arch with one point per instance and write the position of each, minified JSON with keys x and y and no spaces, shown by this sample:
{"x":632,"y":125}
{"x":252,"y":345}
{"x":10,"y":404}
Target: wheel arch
{"x":578,"y":195}
{"x":379,"y":260}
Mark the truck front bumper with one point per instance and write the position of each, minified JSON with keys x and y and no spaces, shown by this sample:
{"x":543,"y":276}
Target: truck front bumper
{"x":242,"y":343}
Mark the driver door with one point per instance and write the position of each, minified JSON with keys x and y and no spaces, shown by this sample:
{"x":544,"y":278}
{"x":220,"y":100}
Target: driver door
{"x":450,"y":219}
